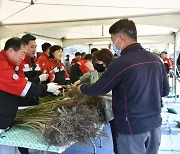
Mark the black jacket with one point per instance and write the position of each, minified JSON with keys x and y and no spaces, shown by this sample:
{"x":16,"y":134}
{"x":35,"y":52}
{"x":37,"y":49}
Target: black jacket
{"x":138,"y":81}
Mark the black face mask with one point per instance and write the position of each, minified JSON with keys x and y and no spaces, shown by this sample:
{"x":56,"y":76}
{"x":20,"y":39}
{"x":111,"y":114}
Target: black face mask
{"x":99,"y":67}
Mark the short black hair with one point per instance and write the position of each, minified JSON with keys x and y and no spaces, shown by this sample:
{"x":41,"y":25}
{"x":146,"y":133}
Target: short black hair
{"x":45,"y":46}
{"x":77,"y":54}
{"x":164,"y":52}
{"x":83,"y":53}
{"x":53,"y":49}
{"x":125,"y":26}
{"x":28,"y":37}
{"x":88,"y":57}
{"x":93,"y":50}
{"x":14,"y":43}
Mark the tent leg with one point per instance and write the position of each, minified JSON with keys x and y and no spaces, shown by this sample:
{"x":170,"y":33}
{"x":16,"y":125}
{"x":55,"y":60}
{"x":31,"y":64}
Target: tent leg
{"x":100,"y":139}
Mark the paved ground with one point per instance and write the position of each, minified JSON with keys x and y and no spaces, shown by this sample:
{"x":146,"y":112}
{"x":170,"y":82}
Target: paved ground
{"x":170,"y":132}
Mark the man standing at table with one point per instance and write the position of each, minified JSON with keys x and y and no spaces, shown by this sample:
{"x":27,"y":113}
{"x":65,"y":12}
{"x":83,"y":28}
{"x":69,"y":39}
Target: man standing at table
{"x":138,"y":81}
{"x":30,"y":69}
{"x":13,"y":87}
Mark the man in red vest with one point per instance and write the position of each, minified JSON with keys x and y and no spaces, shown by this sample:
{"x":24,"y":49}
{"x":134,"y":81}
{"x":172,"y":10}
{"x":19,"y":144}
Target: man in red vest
{"x":13,"y":87}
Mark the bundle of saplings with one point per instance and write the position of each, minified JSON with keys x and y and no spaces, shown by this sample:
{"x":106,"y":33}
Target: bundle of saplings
{"x":64,"y":119}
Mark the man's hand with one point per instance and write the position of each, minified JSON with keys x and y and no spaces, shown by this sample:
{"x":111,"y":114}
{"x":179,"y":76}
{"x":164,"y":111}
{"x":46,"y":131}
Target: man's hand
{"x":171,"y":70}
{"x":53,"y":87}
{"x":79,"y":88}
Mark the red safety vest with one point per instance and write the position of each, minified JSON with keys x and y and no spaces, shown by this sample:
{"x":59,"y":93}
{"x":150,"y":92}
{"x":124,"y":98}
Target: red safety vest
{"x":10,"y":81}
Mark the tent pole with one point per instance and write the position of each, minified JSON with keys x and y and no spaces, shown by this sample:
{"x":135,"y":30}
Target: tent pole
{"x":174,"y":78}
{"x":102,"y":30}
{"x":90,"y":48}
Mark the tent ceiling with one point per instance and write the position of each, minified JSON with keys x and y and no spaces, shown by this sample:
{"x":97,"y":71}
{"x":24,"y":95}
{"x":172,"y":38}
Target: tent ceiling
{"x":84,"y":21}
{"x":99,"y":31}
{"x":48,"y":10}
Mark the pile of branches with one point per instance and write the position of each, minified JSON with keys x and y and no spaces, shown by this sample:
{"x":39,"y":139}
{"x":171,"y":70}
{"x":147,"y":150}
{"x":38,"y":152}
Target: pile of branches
{"x":63,"y":120}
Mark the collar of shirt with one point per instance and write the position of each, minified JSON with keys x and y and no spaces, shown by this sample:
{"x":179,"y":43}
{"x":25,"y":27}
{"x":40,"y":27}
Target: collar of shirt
{"x":55,"y":63}
{"x":131,"y":48}
{"x":43,"y":54}
{"x":8,"y":60}
{"x":27,"y":59}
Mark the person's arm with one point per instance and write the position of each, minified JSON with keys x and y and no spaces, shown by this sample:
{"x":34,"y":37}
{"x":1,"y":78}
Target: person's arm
{"x":35,"y":79}
{"x":85,"y":78}
{"x":13,"y":84}
{"x":92,"y":77}
{"x":170,"y":64}
{"x":104,"y":84}
{"x":36,"y":90}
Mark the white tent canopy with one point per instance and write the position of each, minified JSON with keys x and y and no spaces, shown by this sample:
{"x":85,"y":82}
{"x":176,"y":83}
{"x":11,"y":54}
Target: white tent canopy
{"x":87,"y":21}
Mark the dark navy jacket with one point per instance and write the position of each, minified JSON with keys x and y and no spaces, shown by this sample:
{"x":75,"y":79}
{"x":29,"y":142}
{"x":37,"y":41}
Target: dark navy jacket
{"x":138,"y":81}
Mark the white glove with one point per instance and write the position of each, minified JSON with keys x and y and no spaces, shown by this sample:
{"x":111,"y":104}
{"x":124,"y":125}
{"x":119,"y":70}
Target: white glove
{"x":52,"y":87}
{"x":43,"y":77}
{"x":57,"y":92}
{"x":171,"y":70}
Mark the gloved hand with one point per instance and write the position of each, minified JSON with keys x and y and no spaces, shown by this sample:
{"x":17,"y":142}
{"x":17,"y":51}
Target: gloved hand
{"x":171,"y":70}
{"x":57,"y":92}
{"x":43,"y":77}
{"x":52,"y":87}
